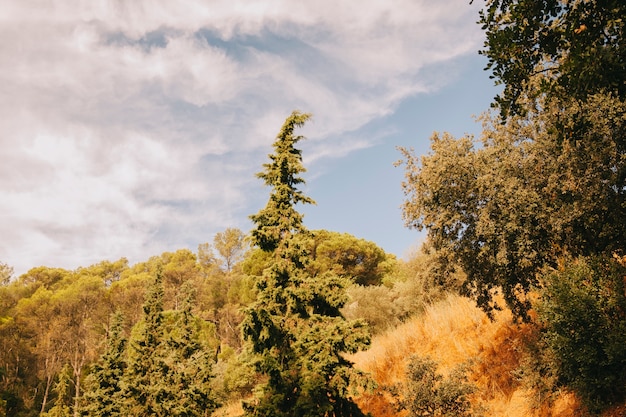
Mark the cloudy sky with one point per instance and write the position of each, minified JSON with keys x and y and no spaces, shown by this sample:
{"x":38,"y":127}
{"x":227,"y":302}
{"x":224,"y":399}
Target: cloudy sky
{"x":131,"y":128}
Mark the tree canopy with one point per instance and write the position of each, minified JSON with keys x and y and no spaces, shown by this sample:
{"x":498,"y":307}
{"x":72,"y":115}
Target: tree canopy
{"x":548,"y":177}
{"x":576,"y":48}
{"x":539,"y":186}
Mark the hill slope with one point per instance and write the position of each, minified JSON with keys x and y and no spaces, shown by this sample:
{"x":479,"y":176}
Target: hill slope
{"x":453,"y":332}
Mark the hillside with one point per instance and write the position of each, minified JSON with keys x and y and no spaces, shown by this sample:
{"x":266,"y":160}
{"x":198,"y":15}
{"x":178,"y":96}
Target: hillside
{"x":453,"y":332}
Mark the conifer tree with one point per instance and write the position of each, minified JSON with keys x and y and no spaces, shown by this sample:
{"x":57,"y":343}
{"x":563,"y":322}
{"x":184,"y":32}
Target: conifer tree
{"x":189,"y":364}
{"x":295,"y":328}
{"x":61,"y":406}
{"x":103,"y":395}
{"x":143,"y":386}
{"x":168,"y":370}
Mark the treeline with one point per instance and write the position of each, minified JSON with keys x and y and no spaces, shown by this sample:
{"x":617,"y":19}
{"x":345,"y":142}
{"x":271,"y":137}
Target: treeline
{"x":59,"y":327}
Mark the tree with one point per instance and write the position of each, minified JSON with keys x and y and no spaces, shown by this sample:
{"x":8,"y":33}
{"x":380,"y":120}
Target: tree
{"x":62,"y":389}
{"x":230,"y":245}
{"x":362,"y":261}
{"x":177,"y":268}
{"x":103,"y":395}
{"x":189,"y":362}
{"x":77,"y":308}
{"x":18,"y":360}
{"x":168,"y":370}
{"x":142,"y":384}
{"x":359,"y":260}
{"x":43,"y":330}
{"x":295,"y":327}
{"x":575,"y":48}
{"x":6,"y":273}
{"x":209,"y":263}
{"x":279,"y":219}
{"x":549,"y":183}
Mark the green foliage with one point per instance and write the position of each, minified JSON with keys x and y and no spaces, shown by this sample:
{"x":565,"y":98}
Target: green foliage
{"x":62,"y":387}
{"x":6,"y":273}
{"x":127,"y":295}
{"x":109,"y":272}
{"x":408,"y":289}
{"x":583,"y":311}
{"x":376,"y":304}
{"x":235,"y":375}
{"x":168,"y":370}
{"x":295,"y":328}
{"x":142,"y":383}
{"x":360,"y":260}
{"x":536,"y":187}
{"x":574,"y":47}
{"x":279,"y":218}
{"x":102,"y":397}
{"x":428,"y":393}
{"x":43,"y":276}
{"x":231,"y":246}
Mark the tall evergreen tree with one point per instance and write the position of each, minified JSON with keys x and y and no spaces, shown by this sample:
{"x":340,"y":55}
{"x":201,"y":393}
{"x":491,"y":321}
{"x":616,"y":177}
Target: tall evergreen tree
{"x":143,"y":387}
{"x":103,"y":395}
{"x":189,"y":364}
{"x":295,"y":327}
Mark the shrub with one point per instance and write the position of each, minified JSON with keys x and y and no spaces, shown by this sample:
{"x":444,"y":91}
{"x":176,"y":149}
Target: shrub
{"x":583,"y":310}
{"x":427,"y":393}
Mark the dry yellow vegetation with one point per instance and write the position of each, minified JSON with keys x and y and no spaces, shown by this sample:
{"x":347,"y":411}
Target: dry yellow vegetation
{"x":452,"y":332}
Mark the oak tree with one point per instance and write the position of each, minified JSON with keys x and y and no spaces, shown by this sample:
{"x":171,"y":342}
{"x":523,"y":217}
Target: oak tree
{"x":575,"y":48}
{"x":549,"y":183}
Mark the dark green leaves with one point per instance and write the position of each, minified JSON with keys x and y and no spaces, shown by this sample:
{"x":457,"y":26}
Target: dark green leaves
{"x":538,"y":186}
{"x":583,"y":311}
{"x":575,"y":47}
{"x":295,"y":329}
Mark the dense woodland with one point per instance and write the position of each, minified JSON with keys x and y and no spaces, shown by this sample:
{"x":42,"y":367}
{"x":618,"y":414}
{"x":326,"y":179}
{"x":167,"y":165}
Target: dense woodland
{"x":529,"y":220}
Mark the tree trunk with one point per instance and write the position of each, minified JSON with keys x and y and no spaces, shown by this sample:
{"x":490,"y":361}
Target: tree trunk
{"x":44,"y":402}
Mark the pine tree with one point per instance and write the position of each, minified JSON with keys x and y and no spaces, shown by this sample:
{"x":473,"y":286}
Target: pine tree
{"x":295,"y":327}
{"x":103,"y":395}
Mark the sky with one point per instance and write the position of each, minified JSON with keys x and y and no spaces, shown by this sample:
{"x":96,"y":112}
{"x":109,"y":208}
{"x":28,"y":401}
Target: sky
{"x":132,"y":128}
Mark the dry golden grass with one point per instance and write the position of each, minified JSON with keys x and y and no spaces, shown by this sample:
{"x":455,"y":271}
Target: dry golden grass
{"x":233,"y":409}
{"x":453,"y":332}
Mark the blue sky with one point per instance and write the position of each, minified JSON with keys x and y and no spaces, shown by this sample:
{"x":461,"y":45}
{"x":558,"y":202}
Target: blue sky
{"x":133,"y":128}
{"x":361,"y":193}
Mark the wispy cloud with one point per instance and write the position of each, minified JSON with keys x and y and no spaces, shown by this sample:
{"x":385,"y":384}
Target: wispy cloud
{"x":135,"y":127}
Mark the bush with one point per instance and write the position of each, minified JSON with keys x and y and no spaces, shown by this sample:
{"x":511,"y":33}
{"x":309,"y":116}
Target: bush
{"x":583,"y":310}
{"x":375,"y":304}
{"x":427,"y":393}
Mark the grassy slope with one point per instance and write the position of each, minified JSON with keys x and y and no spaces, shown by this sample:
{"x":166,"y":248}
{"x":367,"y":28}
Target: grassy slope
{"x":453,"y":332}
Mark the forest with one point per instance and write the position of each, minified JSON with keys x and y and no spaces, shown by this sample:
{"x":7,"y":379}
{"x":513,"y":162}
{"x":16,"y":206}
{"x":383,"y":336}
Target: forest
{"x":514,"y":305}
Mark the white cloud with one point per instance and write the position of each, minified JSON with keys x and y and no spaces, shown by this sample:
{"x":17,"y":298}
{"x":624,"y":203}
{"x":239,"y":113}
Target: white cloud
{"x":133,"y":126}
